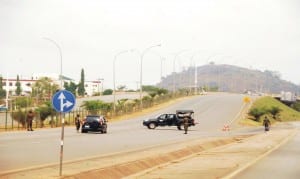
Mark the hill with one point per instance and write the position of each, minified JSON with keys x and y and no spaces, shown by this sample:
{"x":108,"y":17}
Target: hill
{"x":228,"y":78}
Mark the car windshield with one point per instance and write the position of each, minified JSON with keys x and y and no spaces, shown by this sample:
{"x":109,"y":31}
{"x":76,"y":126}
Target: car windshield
{"x":92,"y":118}
{"x":161,"y":116}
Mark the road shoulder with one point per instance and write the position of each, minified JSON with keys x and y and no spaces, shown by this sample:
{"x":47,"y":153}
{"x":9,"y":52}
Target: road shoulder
{"x":222,"y":162}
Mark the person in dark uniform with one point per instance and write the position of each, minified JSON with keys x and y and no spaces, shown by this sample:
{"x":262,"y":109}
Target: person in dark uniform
{"x":30,"y":117}
{"x":77,"y":122}
{"x":185,"y":124}
{"x":266,"y":123}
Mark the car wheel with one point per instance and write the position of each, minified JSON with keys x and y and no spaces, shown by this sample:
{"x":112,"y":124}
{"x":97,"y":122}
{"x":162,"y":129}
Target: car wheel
{"x":152,"y":125}
{"x":83,"y":131}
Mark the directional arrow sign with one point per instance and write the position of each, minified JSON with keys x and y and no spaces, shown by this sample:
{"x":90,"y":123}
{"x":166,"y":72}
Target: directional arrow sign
{"x":63,"y":101}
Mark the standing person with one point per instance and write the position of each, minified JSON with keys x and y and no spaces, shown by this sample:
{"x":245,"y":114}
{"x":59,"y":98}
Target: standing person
{"x":185,"y":124}
{"x":77,"y":122}
{"x":30,"y":117}
{"x":266,"y":123}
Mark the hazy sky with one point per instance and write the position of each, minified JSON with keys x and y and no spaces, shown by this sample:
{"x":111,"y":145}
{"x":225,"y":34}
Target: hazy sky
{"x":257,"y":34}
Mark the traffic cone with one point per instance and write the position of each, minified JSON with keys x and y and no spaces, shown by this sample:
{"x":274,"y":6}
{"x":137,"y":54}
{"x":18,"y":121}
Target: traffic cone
{"x":226,"y":127}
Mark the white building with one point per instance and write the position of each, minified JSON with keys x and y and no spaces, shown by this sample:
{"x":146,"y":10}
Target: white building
{"x":91,"y":87}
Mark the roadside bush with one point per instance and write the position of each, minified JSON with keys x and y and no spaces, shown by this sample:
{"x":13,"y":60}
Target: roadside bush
{"x":275,"y":111}
{"x":107,"y":92}
{"x":296,"y":106}
{"x":44,"y":111}
{"x":257,"y":113}
{"x":19,"y":116}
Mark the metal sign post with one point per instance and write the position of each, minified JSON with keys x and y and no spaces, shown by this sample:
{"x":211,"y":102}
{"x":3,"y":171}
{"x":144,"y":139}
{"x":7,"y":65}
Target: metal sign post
{"x":63,"y":101}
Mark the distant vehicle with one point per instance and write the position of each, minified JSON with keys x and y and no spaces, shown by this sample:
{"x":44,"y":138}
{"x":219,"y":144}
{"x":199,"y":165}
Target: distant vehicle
{"x":3,"y":108}
{"x":94,"y":123}
{"x":175,"y":119}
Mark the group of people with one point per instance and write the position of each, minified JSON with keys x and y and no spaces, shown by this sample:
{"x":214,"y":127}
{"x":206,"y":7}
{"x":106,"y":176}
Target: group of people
{"x":266,"y":124}
{"x":30,"y":116}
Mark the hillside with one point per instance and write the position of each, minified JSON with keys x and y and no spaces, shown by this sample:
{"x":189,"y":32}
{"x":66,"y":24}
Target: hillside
{"x":228,"y":78}
{"x":286,"y":114}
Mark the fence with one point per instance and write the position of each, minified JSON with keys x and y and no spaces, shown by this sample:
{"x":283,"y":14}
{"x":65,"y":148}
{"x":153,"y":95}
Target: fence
{"x":10,"y":120}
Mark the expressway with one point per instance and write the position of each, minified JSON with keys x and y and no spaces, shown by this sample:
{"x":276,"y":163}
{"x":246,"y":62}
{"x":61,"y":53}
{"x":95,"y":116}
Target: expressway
{"x":24,"y":149}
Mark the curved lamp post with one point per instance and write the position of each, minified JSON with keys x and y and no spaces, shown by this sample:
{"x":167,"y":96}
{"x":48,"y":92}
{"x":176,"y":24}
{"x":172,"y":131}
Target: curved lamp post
{"x":61,"y":116}
{"x":175,"y":58}
{"x":141,"y":73}
{"x":60,"y":54}
{"x":114,"y":75}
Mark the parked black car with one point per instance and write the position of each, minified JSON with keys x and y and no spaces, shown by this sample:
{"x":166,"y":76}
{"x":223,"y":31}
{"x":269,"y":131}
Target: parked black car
{"x":94,"y":123}
{"x":173,"y":119}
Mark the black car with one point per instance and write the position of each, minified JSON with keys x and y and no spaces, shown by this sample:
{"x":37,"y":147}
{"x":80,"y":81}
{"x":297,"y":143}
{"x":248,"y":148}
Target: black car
{"x":171,"y":119}
{"x":94,"y":123}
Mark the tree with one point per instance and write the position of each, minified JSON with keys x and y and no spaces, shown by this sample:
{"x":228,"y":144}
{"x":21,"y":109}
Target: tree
{"x":23,"y":102}
{"x":107,"y":92}
{"x":71,"y":87}
{"x":121,"y":87}
{"x":274,"y":111}
{"x":45,"y":110}
{"x":296,"y":106}
{"x":81,"y":90}
{"x":43,"y":89}
{"x":2,"y":91}
{"x":95,"y":106}
{"x":18,"y":85}
{"x":257,"y":113}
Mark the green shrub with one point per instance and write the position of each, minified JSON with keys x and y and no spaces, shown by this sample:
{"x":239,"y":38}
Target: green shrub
{"x":257,"y":113}
{"x":275,"y":111}
{"x":296,"y":106}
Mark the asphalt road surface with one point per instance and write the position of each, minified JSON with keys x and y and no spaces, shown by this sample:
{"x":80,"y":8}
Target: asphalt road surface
{"x":42,"y":147}
{"x":283,"y":163}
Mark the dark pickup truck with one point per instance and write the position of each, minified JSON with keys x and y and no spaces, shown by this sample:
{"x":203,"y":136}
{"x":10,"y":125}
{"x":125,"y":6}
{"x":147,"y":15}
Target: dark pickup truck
{"x":171,"y":119}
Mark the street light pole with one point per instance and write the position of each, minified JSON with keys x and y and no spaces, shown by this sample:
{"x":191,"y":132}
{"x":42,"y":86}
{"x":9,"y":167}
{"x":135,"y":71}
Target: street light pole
{"x":100,"y":80}
{"x":195,"y":75}
{"x":61,"y":115}
{"x":141,"y":73}
{"x":175,"y":58}
{"x":161,"y":64}
{"x":114,"y":76}
{"x":60,"y":54}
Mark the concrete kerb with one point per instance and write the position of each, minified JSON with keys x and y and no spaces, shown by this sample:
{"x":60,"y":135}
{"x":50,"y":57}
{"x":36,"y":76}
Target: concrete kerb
{"x":52,"y":168}
{"x":231,"y":172}
{"x":137,"y":167}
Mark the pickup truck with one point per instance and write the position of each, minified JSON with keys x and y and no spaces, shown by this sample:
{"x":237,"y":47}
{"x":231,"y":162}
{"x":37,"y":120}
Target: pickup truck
{"x":173,"y":119}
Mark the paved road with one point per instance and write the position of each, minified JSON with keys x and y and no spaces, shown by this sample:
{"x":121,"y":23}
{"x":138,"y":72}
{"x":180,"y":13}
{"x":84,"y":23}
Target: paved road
{"x":24,"y":149}
{"x":283,"y":163}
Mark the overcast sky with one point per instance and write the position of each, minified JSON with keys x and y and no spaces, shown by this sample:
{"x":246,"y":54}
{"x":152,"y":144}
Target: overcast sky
{"x":257,"y":34}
